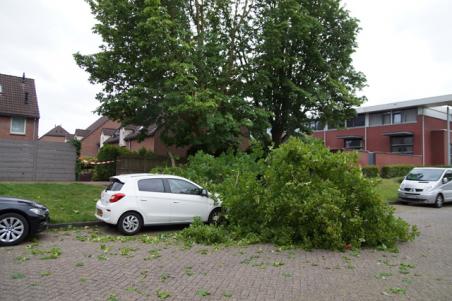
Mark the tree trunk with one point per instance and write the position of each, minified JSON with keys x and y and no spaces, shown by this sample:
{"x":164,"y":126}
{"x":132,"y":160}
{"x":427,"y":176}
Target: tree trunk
{"x":173,"y":161}
{"x":277,"y":133}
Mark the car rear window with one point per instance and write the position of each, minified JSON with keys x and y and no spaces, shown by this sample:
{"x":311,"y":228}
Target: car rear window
{"x":151,"y":185}
{"x":115,"y":185}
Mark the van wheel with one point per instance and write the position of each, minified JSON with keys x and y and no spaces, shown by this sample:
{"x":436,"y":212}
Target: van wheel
{"x":130,"y":223}
{"x":439,"y":201}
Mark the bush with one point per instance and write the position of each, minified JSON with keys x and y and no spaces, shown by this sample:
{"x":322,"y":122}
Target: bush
{"x":78,"y":165}
{"x":392,"y":171}
{"x":200,"y":233}
{"x":370,"y":171}
{"x":301,"y":193}
{"x":108,"y":152}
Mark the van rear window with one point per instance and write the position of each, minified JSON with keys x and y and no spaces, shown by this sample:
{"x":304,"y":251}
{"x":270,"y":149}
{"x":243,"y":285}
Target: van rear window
{"x":115,"y":185}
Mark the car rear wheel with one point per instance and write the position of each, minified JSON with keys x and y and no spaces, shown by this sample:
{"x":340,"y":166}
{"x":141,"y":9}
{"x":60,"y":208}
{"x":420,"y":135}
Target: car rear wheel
{"x":439,"y":201}
{"x":13,"y":229}
{"x":214,"y":217}
{"x":130,"y":223}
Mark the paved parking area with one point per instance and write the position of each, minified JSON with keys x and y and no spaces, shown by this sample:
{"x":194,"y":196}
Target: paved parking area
{"x":155,"y":270}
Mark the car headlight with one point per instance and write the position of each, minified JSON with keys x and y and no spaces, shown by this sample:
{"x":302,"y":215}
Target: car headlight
{"x":427,"y":188}
{"x":37,"y":211}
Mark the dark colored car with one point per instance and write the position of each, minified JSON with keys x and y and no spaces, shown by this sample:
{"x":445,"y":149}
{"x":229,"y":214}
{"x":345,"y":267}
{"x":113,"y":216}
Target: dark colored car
{"x":19,"y":219}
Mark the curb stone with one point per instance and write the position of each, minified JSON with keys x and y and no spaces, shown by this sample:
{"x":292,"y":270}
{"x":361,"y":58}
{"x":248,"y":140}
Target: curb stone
{"x":75,"y":224}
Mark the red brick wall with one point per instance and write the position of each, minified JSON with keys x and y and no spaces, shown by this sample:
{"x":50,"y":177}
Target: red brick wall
{"x":437,"y":146}
{"x":31,"y":130}
{"x":161,"y":149}
{"x":378,"y":142}
{"x":90,"y":144}
{"x":432,"y":125}
{"x":147,"y":143}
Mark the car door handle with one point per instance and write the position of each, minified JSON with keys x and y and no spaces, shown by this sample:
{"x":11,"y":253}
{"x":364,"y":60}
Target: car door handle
{"x":176,"y":202}
{"x":144,"y":200}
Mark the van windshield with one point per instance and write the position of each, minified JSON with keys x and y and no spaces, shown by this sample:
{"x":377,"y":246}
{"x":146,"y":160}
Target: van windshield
{"x":424,"y":174}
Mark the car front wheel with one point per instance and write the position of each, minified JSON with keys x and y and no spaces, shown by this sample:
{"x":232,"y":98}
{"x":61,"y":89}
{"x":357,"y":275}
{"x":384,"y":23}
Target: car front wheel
{"x":214,"y":217}
{"x":439,"y":201}
{"x":130,"y":223}
{"x":13,"y":229}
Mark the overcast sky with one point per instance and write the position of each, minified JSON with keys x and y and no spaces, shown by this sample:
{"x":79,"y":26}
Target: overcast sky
{"x":404,"y":49}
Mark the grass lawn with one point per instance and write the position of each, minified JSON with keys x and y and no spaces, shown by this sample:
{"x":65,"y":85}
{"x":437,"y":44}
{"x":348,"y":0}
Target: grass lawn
{"x":66,"y":202}
{"x":388,"y":189}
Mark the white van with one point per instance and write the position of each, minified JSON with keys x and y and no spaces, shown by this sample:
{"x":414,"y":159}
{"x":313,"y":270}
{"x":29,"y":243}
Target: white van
{"x":427,"y":186}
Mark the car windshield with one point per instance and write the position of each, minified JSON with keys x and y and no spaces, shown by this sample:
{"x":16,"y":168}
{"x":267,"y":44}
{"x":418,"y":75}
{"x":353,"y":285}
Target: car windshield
{"x":424,"y":174}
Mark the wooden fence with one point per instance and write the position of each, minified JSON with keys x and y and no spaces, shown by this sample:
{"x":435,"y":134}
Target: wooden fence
{"x":128,"y":165}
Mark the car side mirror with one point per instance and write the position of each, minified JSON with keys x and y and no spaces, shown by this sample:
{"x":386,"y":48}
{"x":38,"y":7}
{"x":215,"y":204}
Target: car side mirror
{"x":204,"y":193}
{"x":445,"y":180}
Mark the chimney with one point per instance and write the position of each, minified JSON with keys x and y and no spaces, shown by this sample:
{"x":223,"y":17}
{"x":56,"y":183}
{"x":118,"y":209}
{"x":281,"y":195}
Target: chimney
{"x":23,"y":77}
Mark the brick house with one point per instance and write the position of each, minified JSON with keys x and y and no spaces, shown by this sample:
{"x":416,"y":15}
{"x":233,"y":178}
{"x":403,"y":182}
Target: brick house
{"x":406,"y":132}
{"x":19,"y":110}
{"x":90,"y":138}
{"x":128,"y":137}
{"x":57,"y":134}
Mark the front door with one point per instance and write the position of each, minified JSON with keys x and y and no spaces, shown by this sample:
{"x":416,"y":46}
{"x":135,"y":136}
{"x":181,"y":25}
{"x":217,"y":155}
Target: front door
{"x":187,"y":202}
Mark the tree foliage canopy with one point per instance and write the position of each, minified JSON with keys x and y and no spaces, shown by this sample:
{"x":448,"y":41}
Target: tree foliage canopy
{"x":202,"y":70}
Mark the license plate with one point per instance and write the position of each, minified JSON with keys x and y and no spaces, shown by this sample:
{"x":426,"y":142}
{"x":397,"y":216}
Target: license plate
{"x":99,"y":212}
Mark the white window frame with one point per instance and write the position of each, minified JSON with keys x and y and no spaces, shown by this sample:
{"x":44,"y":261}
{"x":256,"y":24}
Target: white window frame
{"x":18,"y":133}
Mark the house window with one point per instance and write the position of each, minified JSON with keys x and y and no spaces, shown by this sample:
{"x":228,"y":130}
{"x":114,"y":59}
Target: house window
{"x":397,"y":117}
{"x":1,"y":89}
{"x":402,"y":144}
{"x":353,"y":143}
{"x":386,"y":118}
{"x":358,"y":120}
{"x":18,"y":125}
{"x":316,"y":125}
{"x":393,"y":117}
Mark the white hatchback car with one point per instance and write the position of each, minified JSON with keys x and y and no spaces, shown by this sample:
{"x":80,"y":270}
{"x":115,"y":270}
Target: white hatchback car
{"x":131,"y":201}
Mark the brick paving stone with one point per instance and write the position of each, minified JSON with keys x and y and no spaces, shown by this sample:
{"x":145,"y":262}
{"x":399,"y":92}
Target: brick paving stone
{"x":247,"y":273}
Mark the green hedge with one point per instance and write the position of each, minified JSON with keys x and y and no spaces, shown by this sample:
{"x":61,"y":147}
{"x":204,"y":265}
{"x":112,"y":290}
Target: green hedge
{"x":370,"y":171}
{"x":392,"y":171}
{"x":108,"y":152}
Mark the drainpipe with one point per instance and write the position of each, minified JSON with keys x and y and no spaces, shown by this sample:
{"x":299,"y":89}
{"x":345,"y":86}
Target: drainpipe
{"x":423,"y":138}
{"x":448,"y":136}
{"x":366,"y":125}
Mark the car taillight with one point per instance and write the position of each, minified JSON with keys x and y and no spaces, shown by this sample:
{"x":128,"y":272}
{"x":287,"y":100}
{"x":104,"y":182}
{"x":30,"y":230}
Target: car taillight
{"x":116,"y":197}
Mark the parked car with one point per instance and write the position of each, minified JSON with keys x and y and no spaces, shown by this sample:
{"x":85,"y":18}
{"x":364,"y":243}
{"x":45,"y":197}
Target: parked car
{"x":132,"y":201}
{"x":427,"y":186}
{"x":19,"y":219}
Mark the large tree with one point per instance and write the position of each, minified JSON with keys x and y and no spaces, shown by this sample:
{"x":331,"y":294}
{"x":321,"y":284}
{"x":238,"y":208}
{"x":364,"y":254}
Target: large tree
{"x":175,"y":63}
{"x":303,"y":65}
{"x":202,"y":70}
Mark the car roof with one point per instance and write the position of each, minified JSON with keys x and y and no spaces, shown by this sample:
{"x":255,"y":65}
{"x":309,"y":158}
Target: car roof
{"x":138,"y":176}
